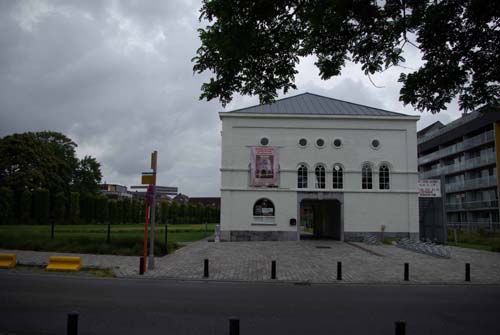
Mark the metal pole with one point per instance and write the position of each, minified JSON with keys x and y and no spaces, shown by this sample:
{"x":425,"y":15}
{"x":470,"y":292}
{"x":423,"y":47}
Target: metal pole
{"x":407,"y":272}
{"x":273,"y":270}
{"x":145,"y":239}
{"x":151,"y":260}
{"x":339,"y":270}
{"x":52,"y":231}
{"x":109,"y":232}
{"x":467,"y":272}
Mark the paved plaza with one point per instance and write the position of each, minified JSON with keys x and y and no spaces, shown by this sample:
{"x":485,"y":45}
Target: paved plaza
{"x":305,"y":261}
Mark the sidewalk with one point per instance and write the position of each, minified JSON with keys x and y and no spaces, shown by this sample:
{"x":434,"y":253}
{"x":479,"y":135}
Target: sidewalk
{"x":304,"y":261}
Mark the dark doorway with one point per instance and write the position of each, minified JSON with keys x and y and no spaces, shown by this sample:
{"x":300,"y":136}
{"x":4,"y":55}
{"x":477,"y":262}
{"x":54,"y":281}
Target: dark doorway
{"x":321,"y":219}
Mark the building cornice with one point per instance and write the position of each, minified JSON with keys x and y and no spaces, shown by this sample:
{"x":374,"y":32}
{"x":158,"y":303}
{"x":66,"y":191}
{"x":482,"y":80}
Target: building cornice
{"x":316,"y":116}
{"x":295,"y":190}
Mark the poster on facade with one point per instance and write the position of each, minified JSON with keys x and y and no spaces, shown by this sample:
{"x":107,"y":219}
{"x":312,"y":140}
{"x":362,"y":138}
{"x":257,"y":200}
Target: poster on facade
{"x":429,"y":188}
{"x":264,"y":166}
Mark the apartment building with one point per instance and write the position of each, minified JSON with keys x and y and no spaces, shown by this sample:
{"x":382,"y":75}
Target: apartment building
{"x":464,"y":155}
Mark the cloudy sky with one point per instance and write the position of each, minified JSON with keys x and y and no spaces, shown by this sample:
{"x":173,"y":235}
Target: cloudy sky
{"x":116,"y":77}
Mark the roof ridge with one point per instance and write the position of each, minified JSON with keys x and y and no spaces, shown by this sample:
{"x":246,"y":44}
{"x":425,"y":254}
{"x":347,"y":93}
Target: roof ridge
{"x":269,"y":103}
{"x":333,"y":106}
{"x":355,"y":103}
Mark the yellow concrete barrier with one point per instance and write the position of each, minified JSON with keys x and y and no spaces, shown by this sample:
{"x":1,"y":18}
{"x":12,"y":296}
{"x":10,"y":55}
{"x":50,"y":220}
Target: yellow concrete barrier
{"x":64,"y":263}
{"x":7,"y":260}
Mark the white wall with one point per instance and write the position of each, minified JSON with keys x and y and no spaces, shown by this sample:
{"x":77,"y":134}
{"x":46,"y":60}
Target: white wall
{"x":364,"y":210}
{"x":237,"y":212}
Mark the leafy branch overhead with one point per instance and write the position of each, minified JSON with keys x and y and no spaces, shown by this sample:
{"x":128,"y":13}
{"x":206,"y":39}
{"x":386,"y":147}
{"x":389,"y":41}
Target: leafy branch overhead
{"x":253,"y":47}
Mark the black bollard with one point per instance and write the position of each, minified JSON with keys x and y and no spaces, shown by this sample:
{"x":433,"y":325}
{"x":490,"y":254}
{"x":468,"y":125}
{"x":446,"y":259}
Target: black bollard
{"x":407,"y":272}
{"x":141,"y":265}
{"x":400,"y":327}
{"x":273,"y":270}
{"x":234,"y":326}
{"x":205,"y":268}
{"x":108,"y":236}
{"x":339,"y":270}
{"x":166,"y":235}
{"x":467,"y":271}
{"x":52,"y":230}
{"x":72,"y":328}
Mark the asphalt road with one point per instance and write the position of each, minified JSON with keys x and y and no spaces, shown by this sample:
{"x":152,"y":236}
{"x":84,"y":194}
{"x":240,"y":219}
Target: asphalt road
{"x":39,"y":304}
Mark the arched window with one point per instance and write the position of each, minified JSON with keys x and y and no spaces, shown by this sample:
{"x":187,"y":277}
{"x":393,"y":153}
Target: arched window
{"x":338,"y":177}
{"x":383,"y":177}
{"x":263,"y":211}
{"x":366,"y":177}
{"x":320,"y":176}
{"x":302,"y":176}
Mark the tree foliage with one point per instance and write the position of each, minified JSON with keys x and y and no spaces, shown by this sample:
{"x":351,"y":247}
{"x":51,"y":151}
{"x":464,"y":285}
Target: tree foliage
{"x":47,"y":160}
{"x":87,"y":176}
{"x":253,"y":47}
{"x":6,"y":206}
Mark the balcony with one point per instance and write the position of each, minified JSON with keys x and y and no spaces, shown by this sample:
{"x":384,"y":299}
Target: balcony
{"x":471,"y":205}
{"x":464,"y":145}
{"x":469,"y":184}
{"x":462,"y":166}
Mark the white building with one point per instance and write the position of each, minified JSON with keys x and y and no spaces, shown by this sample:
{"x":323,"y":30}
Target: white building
{"x":341,"y":169}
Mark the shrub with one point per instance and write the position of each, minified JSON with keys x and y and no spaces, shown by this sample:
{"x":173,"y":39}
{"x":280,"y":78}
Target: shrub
{"x":74,"y":208}
{"x":6,"y":206}
{"x":41,"y":206}
{"x":25,"y":202}
{"x":58,"y":208}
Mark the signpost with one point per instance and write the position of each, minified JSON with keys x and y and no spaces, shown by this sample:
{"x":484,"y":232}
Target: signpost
{"x":149,"y":178}
{"x":429,"y":188}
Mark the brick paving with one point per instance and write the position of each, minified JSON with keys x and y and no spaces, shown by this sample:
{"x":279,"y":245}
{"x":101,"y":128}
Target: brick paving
{"x":122,"y":266}
{"x":304,"y":261}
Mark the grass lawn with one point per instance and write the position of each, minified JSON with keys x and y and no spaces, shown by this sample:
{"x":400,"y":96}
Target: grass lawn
{"x":475,"y":240}
{"x":124,"y":239}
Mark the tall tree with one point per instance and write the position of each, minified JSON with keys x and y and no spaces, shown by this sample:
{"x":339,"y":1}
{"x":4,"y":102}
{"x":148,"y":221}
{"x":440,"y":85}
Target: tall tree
{"x":253,"y":47}
{"x":6,"y":206}
{"x":31,"y":161}
{"x":87,"y":176}
{"x":27,"y":162}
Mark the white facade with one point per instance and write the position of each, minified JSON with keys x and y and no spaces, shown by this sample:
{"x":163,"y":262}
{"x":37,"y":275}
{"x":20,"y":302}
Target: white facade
{"x":361,"y":210}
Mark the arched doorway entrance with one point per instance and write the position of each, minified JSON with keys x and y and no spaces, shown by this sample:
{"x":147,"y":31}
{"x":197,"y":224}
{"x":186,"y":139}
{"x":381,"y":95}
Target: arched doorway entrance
{"x":321,"y":216}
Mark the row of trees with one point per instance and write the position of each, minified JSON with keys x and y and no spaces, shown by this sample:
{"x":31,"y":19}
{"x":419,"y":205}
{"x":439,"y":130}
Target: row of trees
{"x":43,"y":207}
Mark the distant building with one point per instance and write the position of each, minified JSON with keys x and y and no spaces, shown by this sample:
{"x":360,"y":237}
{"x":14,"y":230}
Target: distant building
{"x":181,"y":198}
{"x":164,"y":193}
{"x":114,"y":191}
{"x":206,"y":201}
{"x":464,"y":156}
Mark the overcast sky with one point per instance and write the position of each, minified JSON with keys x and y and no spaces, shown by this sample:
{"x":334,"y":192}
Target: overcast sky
{"x":116,"y":77}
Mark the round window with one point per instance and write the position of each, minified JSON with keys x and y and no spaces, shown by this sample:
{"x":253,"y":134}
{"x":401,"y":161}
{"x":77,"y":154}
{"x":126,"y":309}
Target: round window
{"x":264,"y":141}
{"x":320,"y":142}
{"x":375,"y":144}
{"x":337,"y":143}
{"x":302,"y":142}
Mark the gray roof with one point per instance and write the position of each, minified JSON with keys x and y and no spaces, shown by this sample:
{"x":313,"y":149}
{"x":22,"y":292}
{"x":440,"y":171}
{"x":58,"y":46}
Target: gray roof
{"x":313,"y":104}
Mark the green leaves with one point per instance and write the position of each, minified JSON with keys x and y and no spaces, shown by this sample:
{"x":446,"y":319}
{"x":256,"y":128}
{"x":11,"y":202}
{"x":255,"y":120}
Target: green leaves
{"x":253,"y":47}
{"x":32,"y":161}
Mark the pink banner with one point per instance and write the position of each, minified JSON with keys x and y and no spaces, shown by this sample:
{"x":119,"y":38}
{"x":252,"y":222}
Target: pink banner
{"x":264,"y":166}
